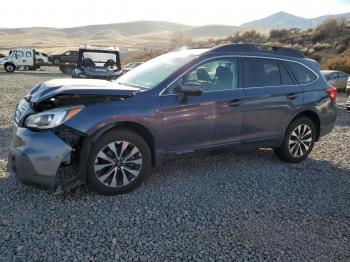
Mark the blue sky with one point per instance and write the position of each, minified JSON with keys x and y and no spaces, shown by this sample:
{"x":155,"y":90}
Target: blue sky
{"x":70,"y":13}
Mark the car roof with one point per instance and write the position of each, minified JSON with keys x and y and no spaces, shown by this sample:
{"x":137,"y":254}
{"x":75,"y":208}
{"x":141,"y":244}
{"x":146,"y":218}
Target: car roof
{"x":329,"y":71}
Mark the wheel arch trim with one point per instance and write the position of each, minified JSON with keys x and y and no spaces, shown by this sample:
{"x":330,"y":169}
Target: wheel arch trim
{"x":138,"y":128}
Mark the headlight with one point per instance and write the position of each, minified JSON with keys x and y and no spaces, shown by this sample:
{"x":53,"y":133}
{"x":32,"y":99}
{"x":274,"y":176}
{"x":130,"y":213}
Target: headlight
{"x":51,"y":118}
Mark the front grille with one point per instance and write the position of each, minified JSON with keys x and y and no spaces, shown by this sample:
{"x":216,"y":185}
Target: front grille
{"x":20,"y":109}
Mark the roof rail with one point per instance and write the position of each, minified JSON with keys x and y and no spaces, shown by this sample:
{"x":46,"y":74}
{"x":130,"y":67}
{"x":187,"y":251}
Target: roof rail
{"x":235,"y":48}
{"x":284,"y":51}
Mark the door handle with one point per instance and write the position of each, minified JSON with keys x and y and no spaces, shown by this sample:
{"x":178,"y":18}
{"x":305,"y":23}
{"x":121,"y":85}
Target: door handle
{"x":235,"y":102}
{"x":292,"y":96}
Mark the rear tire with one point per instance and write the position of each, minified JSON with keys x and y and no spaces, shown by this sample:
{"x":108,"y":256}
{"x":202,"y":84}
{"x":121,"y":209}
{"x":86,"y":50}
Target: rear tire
{"x":298,"y":141}
{"x":67,"y":70}
{"x":119,"y":161}
{"x":56,"y":61}
{"x":10,"y":68}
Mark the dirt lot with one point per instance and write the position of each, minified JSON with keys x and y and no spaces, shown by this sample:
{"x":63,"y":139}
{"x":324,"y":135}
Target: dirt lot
{"x":227,"y":206}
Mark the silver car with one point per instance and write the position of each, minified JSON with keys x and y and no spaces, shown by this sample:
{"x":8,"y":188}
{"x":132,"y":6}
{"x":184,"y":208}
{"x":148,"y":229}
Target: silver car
{"x":337,"y":79}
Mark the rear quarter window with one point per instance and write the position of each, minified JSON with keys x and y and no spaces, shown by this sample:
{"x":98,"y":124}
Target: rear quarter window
{"x":302,"y":74}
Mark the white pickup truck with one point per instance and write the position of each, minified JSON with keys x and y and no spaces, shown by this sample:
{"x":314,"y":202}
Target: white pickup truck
{"x":29,"y":59}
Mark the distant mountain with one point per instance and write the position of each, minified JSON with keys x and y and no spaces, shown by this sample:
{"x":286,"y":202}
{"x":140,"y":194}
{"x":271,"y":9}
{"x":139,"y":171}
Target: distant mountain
{"x":318,"y":20}
{"x":283,"y":20}
{"x":138,"y":35}
{"x":210,"y":31}
{"x":128,"y":28}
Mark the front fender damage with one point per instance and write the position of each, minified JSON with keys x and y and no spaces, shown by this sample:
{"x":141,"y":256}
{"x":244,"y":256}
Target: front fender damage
{"x":71,"y":174}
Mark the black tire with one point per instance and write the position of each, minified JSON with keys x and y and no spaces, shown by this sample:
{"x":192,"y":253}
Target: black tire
{"x":67,"y":70}
{"x":102,"y":143}
{"x":9,"y":67}
{"x":56,"y":61}
{"x":287,"y":152}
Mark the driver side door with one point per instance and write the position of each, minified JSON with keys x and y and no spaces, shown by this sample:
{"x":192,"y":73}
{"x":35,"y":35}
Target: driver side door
{"x":19,"y":58}
{"x":207,"y":119}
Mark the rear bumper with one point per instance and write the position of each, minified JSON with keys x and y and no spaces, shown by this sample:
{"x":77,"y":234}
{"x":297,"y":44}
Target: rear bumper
{"x":35,"y":157}
{"x":327,"y":115}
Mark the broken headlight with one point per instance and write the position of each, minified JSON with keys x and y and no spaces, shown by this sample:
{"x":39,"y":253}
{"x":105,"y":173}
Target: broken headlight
{"x":51,"y":118}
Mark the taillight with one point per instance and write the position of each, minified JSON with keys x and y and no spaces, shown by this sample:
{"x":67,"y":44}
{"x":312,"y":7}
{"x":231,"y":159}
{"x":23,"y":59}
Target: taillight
{"x":332,"y":93}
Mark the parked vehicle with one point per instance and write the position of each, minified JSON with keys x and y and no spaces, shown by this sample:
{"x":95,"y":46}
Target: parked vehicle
{"x":41,"y":57}
{"x":348,"y":87}
{"x":131,"y":66}
{"x":183,"y":102}
{"x":98,"y":62}
{"x":19,"y":58}
{"x":337,"y":79}
{"x":66,"y":57}
{"x":30,"y":59}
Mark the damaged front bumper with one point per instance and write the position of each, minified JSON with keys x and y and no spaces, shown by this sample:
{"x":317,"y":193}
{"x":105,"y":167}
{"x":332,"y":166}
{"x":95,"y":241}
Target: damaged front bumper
{"x":35,"y":157}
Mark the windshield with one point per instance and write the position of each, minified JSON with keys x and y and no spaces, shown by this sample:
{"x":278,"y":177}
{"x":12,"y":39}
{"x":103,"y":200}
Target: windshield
{"x":98,"y":58}
{"x":150,"y":74}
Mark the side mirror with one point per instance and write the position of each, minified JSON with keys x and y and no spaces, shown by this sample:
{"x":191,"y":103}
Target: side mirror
{"x":189,"y":89}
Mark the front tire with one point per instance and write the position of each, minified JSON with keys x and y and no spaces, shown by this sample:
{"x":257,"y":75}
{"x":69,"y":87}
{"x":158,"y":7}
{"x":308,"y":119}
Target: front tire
{"x":10,"y":68}
{"x":118,"y":163}
{"x":298,"y":141}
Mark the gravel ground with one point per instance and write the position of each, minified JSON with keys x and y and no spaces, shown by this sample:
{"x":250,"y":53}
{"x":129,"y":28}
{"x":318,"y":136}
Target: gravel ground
{"x":228,"y":206}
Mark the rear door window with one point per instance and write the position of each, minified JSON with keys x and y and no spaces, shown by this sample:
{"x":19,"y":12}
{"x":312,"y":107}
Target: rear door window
{"x":342,"y":75}
{"x":260,"y":72}
{"x":301,"y":73}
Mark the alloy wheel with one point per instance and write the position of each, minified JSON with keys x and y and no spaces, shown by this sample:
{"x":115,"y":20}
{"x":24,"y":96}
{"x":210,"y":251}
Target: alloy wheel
{"x":118,"y":164}
{"x":300,"y":140}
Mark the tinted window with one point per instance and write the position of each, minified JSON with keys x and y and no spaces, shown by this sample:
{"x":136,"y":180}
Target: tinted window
{"x":285,"y":76}
{"x":332,"y":76}
{"x":215,"y":75}
{"x":301,"y":73}
{"x":342,"y":75}
{"x":261,"y":72}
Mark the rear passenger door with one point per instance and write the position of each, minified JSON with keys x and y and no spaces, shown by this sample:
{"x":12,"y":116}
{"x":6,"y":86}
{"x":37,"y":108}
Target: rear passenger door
{"x":272,"y":98}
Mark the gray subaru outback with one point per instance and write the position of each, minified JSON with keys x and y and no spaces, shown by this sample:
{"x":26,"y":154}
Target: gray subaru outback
{"x":182,"y":102}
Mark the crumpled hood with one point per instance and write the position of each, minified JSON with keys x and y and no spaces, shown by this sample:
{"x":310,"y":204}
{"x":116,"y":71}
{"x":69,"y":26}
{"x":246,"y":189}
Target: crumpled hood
{"x":70,"y":86}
